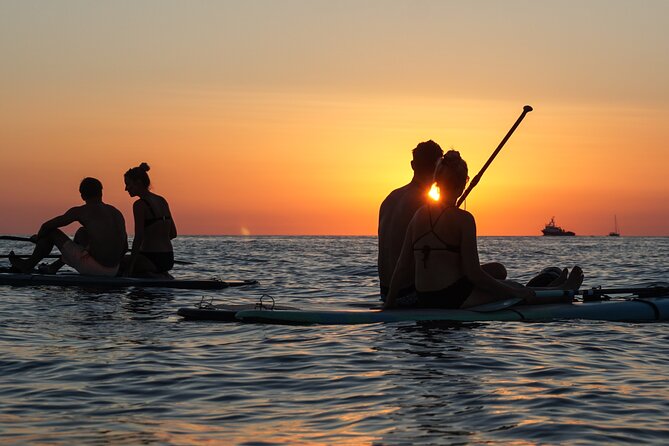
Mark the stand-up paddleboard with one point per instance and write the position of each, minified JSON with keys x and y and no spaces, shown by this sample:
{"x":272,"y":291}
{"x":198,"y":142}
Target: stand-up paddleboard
{"x":78,"y":280}
{"x":641,"y":310}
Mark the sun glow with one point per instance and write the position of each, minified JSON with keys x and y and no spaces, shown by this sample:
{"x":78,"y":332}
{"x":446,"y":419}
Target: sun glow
{"x":434,"y":192}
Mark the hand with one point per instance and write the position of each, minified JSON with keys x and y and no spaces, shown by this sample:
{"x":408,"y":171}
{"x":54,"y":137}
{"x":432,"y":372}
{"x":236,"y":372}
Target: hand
{"x":525,"y":293}
{"x":388,"y":305}
{"x":34,"y":238}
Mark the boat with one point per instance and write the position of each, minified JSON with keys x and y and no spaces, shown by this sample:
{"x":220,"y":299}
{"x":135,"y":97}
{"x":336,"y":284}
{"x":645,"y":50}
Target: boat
{"x":615,"y":232}
{"x":551,"y":229}
{"x":645,"y":304}
{"x":78,"y":280}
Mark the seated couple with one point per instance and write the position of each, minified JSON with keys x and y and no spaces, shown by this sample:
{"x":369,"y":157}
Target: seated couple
{"x":99,"y":246}
{"x":439,"y":255}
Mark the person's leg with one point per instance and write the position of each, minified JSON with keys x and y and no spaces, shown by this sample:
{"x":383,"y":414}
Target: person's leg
{"x":573,"y":282}
{"x":481,"y":297}
{"x":43,"y":248}
{"x":495,"y":269}
{"x":80,"y":238}
{"x":51,"y":268}
{"x":143,"y":266}
{"x":547,"y":277}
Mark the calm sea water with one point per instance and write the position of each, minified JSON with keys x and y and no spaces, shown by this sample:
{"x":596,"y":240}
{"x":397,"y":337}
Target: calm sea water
{"x":120,"y":367}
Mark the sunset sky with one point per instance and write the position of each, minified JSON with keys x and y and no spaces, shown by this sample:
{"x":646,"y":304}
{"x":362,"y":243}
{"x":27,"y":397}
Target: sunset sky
{"x":298,"y":117}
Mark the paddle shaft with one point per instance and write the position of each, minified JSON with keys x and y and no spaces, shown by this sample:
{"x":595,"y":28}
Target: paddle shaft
{"x":15,"y":238}
{"x":50,"y":256}
{"x":54,"y":256}
{"x":57,"y":256}
{"x":478,"y":176}
{"x":655,"y":290}
{"x":598,"y":293}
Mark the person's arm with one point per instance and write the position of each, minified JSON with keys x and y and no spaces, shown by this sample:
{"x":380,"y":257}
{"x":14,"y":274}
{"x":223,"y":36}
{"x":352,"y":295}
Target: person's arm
{"x":404,"y":273}
{"x":123,"y":232}
{"x":68,"y":217}
{"x":173,"y":228}
{"x":471,"y":265}
{"x":139,"y":218}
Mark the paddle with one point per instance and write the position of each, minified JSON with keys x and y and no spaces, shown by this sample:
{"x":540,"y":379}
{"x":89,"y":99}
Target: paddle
{"x":654,"y":290}
{"x":478,"y":176}
{"x":15,"y":238}
{"x":50,"y":256}
{"x":57,"y":256}
{"x":596,"y":293}
{"x":590,"y":294}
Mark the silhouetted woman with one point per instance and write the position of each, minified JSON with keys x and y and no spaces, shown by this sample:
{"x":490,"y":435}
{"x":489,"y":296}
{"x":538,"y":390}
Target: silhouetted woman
{"x":151,"y":252}
{"x":440,"y":253}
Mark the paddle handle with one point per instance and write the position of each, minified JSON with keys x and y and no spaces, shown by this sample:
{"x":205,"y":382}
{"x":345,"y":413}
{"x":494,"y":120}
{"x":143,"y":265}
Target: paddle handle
{"x":478,"y":176}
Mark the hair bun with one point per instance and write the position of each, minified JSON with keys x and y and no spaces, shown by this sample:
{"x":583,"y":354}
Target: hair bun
{"x":145,"y":167}
{"x":452,"y":158}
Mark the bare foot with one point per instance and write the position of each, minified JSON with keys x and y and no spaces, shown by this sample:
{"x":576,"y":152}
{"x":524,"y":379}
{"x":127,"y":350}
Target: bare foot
{"x":574,"y":280}
{"x":561,"y":279}
{"x":48,"y":268}
{"x":19,"y":264}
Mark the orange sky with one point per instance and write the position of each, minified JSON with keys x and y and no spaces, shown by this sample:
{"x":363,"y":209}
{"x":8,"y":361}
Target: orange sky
{"x":299,"y":117}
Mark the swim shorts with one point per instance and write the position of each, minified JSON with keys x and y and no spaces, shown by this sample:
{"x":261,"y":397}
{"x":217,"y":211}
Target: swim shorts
{"x":81,"y":260}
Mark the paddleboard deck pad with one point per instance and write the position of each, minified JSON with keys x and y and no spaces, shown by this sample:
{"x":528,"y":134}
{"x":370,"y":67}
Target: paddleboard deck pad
{"x":224,"y":312}
{"x":78,"y":280}
{"x":641,"y":310}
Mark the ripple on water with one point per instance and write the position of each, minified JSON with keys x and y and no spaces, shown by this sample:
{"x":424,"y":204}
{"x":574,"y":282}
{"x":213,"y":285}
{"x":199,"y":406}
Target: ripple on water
{"x":119,"y":367}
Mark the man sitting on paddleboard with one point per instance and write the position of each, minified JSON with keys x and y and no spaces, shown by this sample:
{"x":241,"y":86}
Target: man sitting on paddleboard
{"x":440,"y":254}
{"x":105,"y":235}
{"x":400,"y":206}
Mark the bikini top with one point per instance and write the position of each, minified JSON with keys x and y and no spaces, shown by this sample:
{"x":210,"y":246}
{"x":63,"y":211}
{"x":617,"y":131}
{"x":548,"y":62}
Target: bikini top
{"x":149,"y":221}
{"x":427,"y":249}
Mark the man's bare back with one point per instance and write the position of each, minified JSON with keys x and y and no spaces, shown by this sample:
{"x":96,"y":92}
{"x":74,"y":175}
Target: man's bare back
{"x":105,"y":227}
{"x":395,"y":213}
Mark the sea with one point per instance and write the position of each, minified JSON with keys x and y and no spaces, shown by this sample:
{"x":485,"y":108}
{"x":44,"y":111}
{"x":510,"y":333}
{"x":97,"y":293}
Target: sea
{"x":120,"y":367}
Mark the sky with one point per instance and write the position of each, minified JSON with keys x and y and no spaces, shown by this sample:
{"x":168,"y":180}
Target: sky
{"x":298,"y":117}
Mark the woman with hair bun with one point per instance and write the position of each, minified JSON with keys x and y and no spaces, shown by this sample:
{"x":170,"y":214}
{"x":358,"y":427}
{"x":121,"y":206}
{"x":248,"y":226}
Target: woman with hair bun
{"x":151,"y":253}
{"x":440,"y":253}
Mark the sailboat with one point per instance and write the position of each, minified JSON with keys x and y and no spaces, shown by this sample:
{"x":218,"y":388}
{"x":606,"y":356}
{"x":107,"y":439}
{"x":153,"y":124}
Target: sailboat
{"x":615,"y":232}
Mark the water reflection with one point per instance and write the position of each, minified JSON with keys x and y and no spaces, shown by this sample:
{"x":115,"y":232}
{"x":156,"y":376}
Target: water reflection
{"x":116,"y":366}
{"x":148,"y":304}
{"x":437,"y":390}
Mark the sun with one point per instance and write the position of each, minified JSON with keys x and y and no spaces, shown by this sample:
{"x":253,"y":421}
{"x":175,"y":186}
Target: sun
{"x":434,"y":192}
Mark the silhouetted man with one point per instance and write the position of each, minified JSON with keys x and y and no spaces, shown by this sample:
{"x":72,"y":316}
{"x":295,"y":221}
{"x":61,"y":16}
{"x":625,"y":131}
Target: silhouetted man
{"x":99,"y":245}
{"x":399,"y":207}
